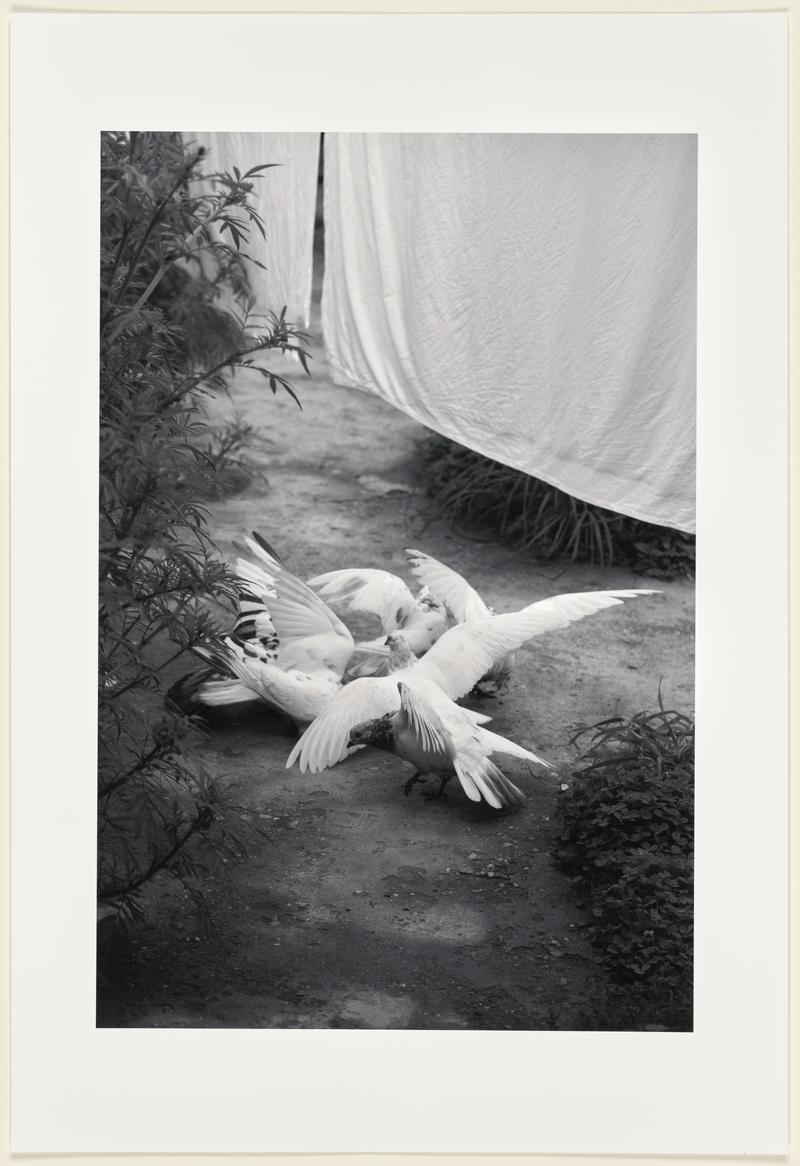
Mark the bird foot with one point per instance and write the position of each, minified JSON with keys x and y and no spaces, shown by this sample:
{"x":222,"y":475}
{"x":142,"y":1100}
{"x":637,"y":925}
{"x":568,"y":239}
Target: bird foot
{"x":433,"y":795}
{"x":412,"y":781}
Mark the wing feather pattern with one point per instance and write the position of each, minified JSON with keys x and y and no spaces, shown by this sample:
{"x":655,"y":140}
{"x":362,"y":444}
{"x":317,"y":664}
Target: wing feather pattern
{"x":297,"y":613}
{"x":325,"y":740}
{"x":461,"y":600}
{"x":424,"y":720}
{"x":465,"y":653}
{"x":367,"y":590}
{"x":498,"y":744}
{"x":452,"y":666}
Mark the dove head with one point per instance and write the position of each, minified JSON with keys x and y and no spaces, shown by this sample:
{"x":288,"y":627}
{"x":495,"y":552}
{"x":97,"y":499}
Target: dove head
{"x":378,"y":732}
{"x":400,"y":655}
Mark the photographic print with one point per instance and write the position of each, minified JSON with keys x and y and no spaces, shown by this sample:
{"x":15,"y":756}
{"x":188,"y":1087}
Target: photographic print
{"x":434,"y":719}
{"x":397,"y":559}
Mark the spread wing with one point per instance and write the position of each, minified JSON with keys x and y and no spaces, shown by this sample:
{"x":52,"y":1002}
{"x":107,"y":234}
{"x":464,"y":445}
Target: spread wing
{"x":465,"y":653}
{"x":460,"y":599}
{"x":311,"y":635}
{"x":253,"y":622}
{"x":424,"y":721}
{"x":376,"y":592}
{"x":325,"y":740}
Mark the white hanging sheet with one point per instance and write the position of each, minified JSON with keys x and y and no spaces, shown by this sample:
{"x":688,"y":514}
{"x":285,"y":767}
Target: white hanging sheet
{"x":531,"y":296}
{"x":285,"y":197}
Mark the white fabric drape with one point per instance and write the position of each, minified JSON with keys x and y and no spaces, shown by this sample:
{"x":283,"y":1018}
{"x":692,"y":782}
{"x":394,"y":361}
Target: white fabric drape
{"x":530,"y":296}
{"x":285,"y":197}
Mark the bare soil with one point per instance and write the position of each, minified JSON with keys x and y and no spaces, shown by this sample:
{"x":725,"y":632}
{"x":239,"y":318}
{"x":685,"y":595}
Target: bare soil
{"x":360,"y":907}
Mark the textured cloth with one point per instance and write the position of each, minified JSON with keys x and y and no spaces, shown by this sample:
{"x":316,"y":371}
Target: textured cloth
{"x":531,"y":296}
{"x":286,"y":198}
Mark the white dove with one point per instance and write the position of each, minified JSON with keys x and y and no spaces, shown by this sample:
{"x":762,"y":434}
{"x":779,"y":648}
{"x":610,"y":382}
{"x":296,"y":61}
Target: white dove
{"x":438,"y":736}
{"x":296,"y":649}
{"x":463,"y":603}
{"x":422,"y":617}
{"x":453,"y":665}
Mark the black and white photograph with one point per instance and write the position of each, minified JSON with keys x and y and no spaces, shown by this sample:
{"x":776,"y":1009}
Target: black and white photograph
{"x":396,"y":562}
{"x":400,"y":584}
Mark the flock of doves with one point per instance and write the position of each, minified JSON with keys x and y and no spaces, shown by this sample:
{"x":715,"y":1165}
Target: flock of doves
{"x":290,"y":650}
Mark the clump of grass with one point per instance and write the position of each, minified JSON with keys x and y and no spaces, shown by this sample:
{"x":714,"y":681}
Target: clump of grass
{"x":625,"y":837}
{"x":532,"y":515}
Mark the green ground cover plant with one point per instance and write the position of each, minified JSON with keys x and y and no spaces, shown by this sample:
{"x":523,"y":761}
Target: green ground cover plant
{"x":530,"y":514}
{"x":625,"y":837}
{"x":176,"y":322}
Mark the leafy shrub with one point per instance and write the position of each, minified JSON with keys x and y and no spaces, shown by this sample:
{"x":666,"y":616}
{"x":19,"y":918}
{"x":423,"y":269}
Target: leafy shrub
{"x":173,"y":328}
{"x":533,"y":515}
{"x":226,"y":450}
{"x":625,"y":836}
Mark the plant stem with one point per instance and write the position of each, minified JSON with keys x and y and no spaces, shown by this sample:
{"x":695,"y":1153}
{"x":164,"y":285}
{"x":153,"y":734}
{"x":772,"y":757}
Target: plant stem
{"x":155,"y":216}
{"x":203,"y":819}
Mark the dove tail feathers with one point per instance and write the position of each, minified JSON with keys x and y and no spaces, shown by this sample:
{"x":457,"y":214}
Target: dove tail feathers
{"x":499,"y":744}
{"x":489,"y":783}
{"x":183,"y":695}
{"x":504,"y":789}
{"x":215,"y":655}
{"x":221,"y":692}
{"x":294,"y":756}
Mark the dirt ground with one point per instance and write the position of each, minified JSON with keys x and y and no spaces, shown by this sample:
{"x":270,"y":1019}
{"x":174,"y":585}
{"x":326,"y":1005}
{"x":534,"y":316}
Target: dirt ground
{"x":361,"y":907}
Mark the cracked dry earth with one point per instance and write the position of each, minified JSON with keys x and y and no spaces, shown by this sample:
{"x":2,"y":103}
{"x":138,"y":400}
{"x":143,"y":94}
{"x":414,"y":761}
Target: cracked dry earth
{"x":359,"y":907}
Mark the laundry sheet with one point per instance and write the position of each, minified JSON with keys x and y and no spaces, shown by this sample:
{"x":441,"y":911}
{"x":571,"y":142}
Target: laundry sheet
{"x":532,"y":297}
{"x":285,"y":197}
